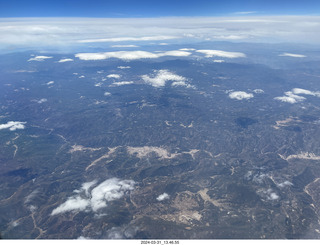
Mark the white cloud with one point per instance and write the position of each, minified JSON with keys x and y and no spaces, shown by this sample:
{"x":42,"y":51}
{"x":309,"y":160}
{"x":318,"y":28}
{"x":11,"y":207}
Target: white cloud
{"x":93,"y":198}
{"x":107,"y":94}
{"x":162,"y":197}
{"x":50,"y":83}
{"x":286,"y":99}
{"x":74,"y":32}
{"x":12,"y":125}
{"x":258,"y":91}
{"x":284,"y":184}
{"x":292,"y":97}
{"x":219,"y":53}
{"x":124,"y":67}
{"x":40,"y":58}
{"x":43,"y":100}
{"x":306,"y":92}
{"x":72,"y":204}
{"x":160,"y":78}
{"x":122,"y":83}
{"x":125,"y":46}
{"x":218,"y":61}
{"x":240,"y":95}
{"x":187,"y":49}
{"x":65,"y":60}
{"x":183,"y":84}
{"x":114,"y":76}
{"x":122,"y":39}
{"x":130,"y":55}
{"x":293,"y":55}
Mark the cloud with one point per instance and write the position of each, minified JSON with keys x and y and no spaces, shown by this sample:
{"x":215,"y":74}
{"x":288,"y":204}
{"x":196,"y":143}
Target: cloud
{"x":124,"y":46}
{"x":123,"y":39}
{"x":240,"y":95}
{"x":40,"y":58}
{"x":50,"y":83}
{"x":162,"y":197}
{"x":286,"y":99}
{"x":293,"y":55}
{"x":292,"y":97}
{"x":72,"y":33}
{"x":187,"y":49}
{"x":306,"y":92}
{"x":92,"y":197}
{"x":107,"y":94}
{"x":182,"y":84}
{"x":258,"y":91}
{"x":284,"y":184}
{"x":124,"y":67}
{"x":12,"y":125}
{"x":43,"y":100}
{"x":65,"y":60}
{"x":114,"y":76}
{"x":123,"y":83}
{"x":130,"y":55}
{"x":211,"y":53}
{"x":160,"y":78}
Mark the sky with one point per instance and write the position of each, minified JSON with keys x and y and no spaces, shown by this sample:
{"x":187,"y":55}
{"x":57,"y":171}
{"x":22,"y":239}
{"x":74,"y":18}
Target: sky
{"x":159,"y":8}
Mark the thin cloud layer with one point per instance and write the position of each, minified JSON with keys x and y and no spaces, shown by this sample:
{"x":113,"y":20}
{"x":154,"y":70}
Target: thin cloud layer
{"x":219,"y":53}
{"x":130,"y":55}
{"x":12,"y":125}
{"x":65,"y":60}
{"x":160,"y":78}
{"x":123,"y":39}
{"x":93,"y":198}
{"x":71,"y":32}
{"x":293,"y":55}
{"x":240,"y":95}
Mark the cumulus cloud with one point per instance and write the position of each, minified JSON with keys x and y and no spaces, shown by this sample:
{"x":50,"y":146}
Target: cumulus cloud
{"x":258,"y":91}
{"x":12,"y":125}
{"x":162,"y":197}
{"x":122,"y":83}
{"x":117,"y":76}
{"x":240,"y":95}
{"x":160,"y":78}
{"x":40,"y":58}
{"x":107,"y":94}
{"x":65,"y":60}
{"x":292,"y":96}
{"x":219,"y":53}
{"x":293,"y":55}
{"x":130,"y":55}
{"x":92,"y":197}
{"x":50,"y":83}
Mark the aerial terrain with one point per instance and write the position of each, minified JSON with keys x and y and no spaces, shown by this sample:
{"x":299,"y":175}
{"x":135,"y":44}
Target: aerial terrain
{"x":160,"y":133}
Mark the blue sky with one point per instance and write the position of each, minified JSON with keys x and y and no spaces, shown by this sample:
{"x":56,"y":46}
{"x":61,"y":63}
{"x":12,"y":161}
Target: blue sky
{"x":160,"y":8}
